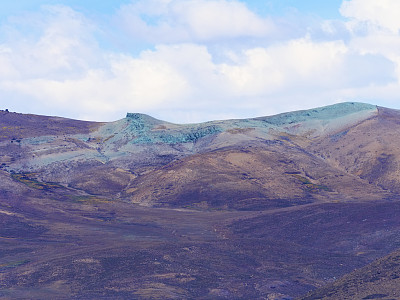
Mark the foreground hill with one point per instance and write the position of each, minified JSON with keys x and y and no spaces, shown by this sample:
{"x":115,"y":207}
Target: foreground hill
{"x":263,"y":208}
{"x":378,"y":280}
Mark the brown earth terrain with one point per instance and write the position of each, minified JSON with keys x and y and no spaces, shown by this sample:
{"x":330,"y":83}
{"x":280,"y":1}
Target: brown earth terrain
{"x":304,"y":204}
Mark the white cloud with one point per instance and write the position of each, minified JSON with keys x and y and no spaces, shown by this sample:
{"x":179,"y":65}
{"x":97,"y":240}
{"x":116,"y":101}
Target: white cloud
{"x":384,"y":14}
{"x":297,"y":63}
{"x":179,"y":21}
{"x":57,"y":42}
{"x":376,"y":28}
{"x":126,"y":84}
{"x":52,"y":63}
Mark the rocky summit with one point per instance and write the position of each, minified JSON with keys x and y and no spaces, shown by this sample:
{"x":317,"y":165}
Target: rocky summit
{"x":303,"y":204}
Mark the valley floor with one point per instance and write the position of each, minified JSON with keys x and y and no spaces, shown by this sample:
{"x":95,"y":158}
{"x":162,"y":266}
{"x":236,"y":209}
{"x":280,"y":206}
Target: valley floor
{"x":89,"y":248}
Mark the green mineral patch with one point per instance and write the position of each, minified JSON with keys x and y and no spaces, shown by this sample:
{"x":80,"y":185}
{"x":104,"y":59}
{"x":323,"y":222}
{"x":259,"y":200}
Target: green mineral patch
{"x":30,"y":180}
{"x":13,"y":264}
{"x":309,"y":186}
{"x":89,"y":199}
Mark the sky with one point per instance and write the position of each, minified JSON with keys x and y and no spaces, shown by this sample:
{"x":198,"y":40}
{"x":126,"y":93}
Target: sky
{"x":187,"y":61}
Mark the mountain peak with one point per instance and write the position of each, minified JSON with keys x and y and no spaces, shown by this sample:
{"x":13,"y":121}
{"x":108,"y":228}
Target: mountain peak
{"x":143,"y":118}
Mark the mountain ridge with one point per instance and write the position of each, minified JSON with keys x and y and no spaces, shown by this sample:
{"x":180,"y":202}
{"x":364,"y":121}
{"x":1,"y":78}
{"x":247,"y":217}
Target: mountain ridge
{"x":139,"y":143}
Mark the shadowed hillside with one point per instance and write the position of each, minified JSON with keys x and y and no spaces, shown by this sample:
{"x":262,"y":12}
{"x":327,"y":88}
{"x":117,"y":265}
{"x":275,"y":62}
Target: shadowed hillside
{"x":378,"y":280}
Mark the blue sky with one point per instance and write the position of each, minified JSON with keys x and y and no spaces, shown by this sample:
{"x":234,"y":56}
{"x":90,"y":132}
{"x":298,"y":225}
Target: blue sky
{"x":325,"y":9}
{"x":196,"y":60}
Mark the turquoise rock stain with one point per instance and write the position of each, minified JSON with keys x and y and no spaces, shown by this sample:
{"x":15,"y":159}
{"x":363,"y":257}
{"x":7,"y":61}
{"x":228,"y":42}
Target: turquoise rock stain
{"x":322,"y":113}
{"x":143,"y":128}
{"x":147,"y":130}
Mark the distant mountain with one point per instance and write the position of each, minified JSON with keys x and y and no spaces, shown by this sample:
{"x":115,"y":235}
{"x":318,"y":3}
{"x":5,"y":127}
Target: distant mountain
{"x":336,"y":152}
{"x":287,"y":203}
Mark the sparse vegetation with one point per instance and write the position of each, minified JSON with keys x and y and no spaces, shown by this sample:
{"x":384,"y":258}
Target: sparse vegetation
{"x":311,"y":187}
{"x":88,"y":199}
{"x":13,"y":264}
{"x":29,"y":180}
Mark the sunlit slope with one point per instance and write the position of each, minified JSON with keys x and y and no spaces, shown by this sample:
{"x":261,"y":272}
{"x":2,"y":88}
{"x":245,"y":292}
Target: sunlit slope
{"x":257,"y":176}
{"x":369,"y":150}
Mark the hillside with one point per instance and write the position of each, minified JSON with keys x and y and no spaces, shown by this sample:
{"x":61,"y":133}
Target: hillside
{"x":378,"y":280}
{"x":306,"y":155}
{"x":263,"y":208}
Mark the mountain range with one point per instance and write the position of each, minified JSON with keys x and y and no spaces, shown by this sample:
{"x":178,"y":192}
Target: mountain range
{"x":303,"y":204}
